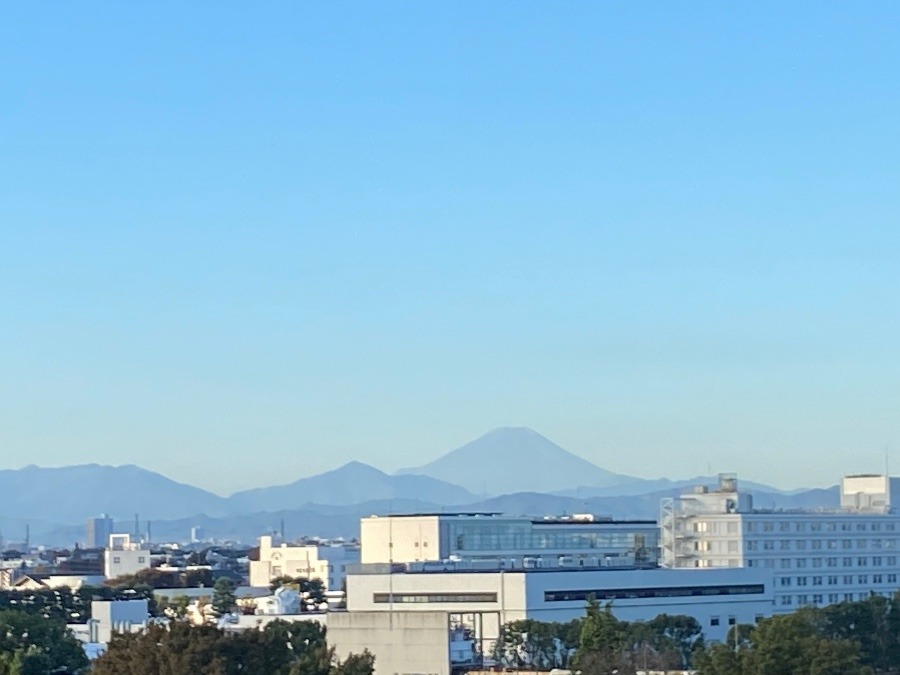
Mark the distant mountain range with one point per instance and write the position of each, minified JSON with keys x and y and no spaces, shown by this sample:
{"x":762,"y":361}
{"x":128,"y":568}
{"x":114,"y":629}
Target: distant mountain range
{"x":510,"y":470}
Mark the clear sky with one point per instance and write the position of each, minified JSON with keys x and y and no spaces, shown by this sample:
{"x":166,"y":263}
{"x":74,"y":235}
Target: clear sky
{"x":245,"y":242}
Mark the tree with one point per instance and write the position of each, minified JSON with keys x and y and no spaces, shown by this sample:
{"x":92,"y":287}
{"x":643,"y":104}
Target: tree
{"x":223,"y":596}
{"x":678,"y":633}
{"x":601,"y":642}
{"x":356,"y":664}
{"x":31,"y":644}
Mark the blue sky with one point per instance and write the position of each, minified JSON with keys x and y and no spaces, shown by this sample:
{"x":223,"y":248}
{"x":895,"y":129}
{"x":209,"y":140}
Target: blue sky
{"x":240,"y":244}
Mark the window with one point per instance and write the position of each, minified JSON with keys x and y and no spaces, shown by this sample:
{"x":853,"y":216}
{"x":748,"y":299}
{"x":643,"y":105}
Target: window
{"x":861,"y":527}
{"x":848,"y":579}
{"x":831,"y":544}
{"x":383,"y":598}
{"x":141,"y":560}
{"x":863,"y":578}
{"x":768,"y":545}
{"x":731,"y":527}
{"x":784,"y":527}
{"x":876,"y":561}
{"x":799,"y":527}
{"x":817,"y":562}
{"x":817,"y":599}
{"x":785,"y":545}
{"x":750,"y":527}
{"x":785,"y":563}
{"x":831,"y":562}
{"x":713,"y":621}
{"x":877,"y":579}
{"x":892,"y":578}
{"x":731,"y":621}
{"x":846,"y":543}
{"x":116,"y":560}
{"x":861,"y":562}
{"x":785,"y":581}
{"x":816,"y":544}
{"x":801,"y":581}
{"x":801,"y":562}
{"x":751,"y":545}
{"x":802,"y":599}
{"x":832,"y":580}
{"x":861,"y":543}
{"x":817,"y":581}
{"x":786,"y":600}
{"x":768,"y":527}
{"x":652,"y":592}
{"x":848,"y":562}
{"x":732,"y":547}
{"x":800,"y":545}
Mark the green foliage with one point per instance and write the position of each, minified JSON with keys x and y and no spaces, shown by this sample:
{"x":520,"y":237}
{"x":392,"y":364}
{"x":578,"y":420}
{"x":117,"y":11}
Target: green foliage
{"x":67,"y":605}
{"x":281,"y":648}
{"x":801,"y":643}
{"x":223,"y":596}
{"x":312,"y":591}
{"x":31,"y":644}
{"x":155,"y":578}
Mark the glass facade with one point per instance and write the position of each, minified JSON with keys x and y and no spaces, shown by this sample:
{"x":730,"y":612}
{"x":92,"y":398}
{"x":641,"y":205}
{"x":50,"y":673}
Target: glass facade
{"x":525,"y":537}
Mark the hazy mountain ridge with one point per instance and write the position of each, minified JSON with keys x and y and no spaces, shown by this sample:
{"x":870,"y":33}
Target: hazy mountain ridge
{"x":352,"y":483}
{"x":55,"y":502}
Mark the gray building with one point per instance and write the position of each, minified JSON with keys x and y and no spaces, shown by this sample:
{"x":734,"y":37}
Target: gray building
{"x":98,"y":531}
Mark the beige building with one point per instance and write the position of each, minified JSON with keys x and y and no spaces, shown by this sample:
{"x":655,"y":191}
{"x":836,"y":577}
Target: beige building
{"x":326,"y":563}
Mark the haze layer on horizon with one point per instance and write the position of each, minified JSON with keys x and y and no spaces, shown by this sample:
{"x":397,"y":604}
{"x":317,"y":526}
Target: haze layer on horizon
{"x":244,"y":244}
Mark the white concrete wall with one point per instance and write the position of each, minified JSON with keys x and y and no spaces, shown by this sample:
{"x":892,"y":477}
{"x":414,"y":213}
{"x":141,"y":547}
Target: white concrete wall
{"x":113,"y":614}
{"x":521,"y":595}
{"x":404,"y":643}
{"x":117,"y":562}
{"x":405,"y":539}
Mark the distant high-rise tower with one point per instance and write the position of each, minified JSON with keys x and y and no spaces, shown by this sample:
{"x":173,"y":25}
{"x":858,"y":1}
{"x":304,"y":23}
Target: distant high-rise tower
{"x":196,"y":534}
{"x":98,"y":531}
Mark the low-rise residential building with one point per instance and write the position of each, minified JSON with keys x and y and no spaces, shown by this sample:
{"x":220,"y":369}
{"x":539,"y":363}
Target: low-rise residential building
{"x":325,"y":562}
{"x":124,"y":556}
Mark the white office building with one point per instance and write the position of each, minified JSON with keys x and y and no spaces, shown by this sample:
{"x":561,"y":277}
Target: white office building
{"x":817,"y":557}
{"x":124,"y":556}
{"x":313,"y":561}
{"x":580,"y":540}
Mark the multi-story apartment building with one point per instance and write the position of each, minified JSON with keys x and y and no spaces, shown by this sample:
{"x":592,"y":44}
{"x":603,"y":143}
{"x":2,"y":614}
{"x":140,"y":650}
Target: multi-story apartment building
{"x":817,"y":557}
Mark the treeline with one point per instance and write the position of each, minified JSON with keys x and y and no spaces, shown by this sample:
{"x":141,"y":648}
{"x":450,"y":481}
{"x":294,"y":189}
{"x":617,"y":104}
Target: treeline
{"x":600,"y":643}
{"x":850,"y":638}
{"x":67,"y":605}
{"x":281,"y":648}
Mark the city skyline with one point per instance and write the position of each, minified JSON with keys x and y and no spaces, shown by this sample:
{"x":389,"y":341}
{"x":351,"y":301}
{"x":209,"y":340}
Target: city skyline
{"x":243,"y":245}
